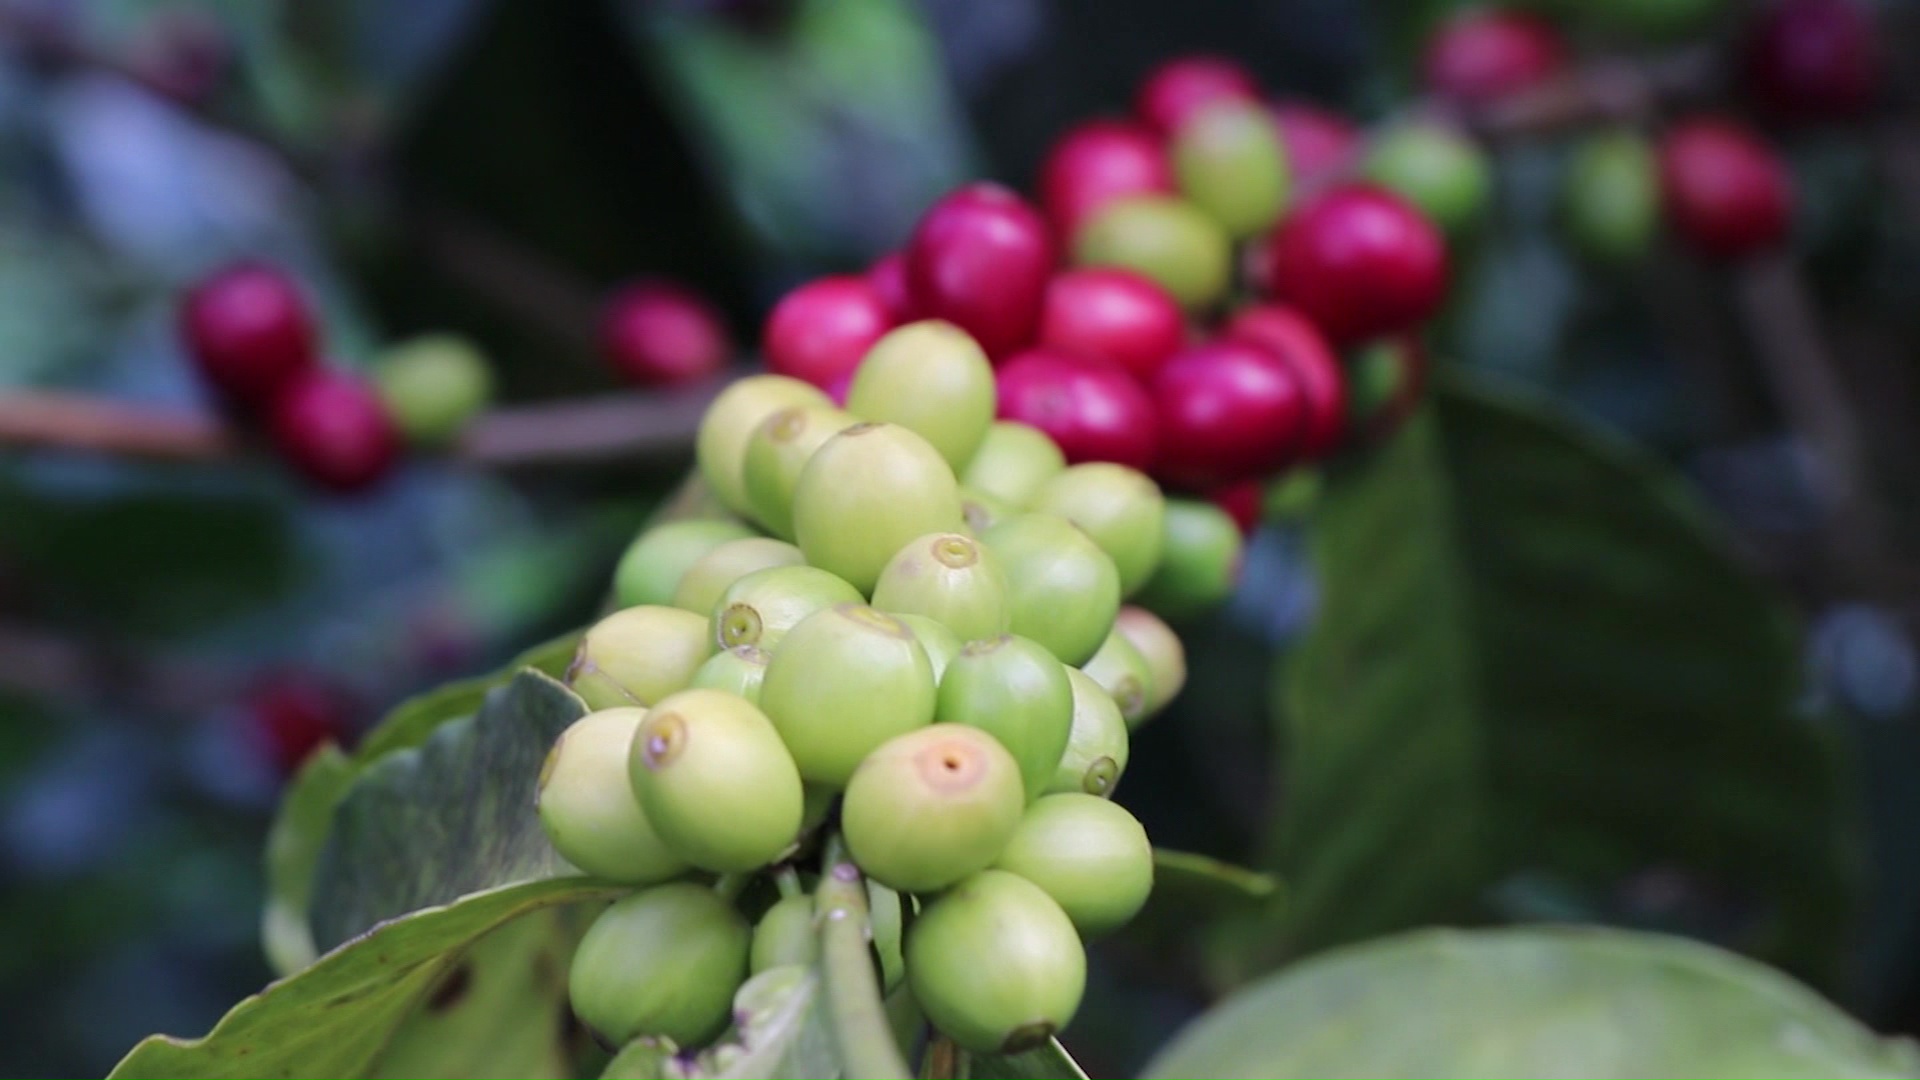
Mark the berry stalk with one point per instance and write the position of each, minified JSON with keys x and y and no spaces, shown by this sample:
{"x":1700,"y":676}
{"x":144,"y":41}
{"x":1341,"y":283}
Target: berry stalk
{"x":858,"y":1018}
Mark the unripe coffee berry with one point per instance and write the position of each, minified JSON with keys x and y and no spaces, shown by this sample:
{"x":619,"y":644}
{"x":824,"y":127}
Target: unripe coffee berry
{"x":1435,"y":168}
{"x":1118,"y":508}
{"x":1092,"y":410}
{"x":587,"y":805}
{"x":334,"y":431}
{"x":687,"y":929}
{"x":1229,"y":410}
{"x":715,"y":781}
{"x":1097,"y":745}
{"x":1482,"y":55}
{"x":1168,"y":239}
{"x":980,"y":511}
{"x":1200,"y":564}
{"x":1096,"y":163}
{"x":659,"y":557}
{"x":996,"y":964}
{"x":1160,"y":646}
{"x":1012,"y":462}
{"x":948,"y":577}
{"x":1231,"y":165}
{"x":1322,"y":380}
{"x":656,"y":333}
{"x":248,"y":331}
{"x":1179,"y":89}
{"x":1013,"y":689}
{"x":1360,"y":262}
{"x":721,"y":446}
{"x":865,"y":493}
{"x":432,"y":386}
{"x":939,"y":640}
{"x":1087,"y":853}
{"x":785,"y":935}
{"x":1320,"y":144}
{"x":980,"y":259}
{"x":738,"y":671}
{"x":1064,"y":589}
{"x":842,"y":682}
{"x":1610,"y":198}
{"x":818,"y":332}
{"x":712,"y":574}
{"x":932,"y":379}
{"x":776,"y":453}
{"x":1119,"y":316}
{"x":1727,"y":193}
{"x":1122,"y":671}
{"x":930,"y":807}
{"x":760,"y":608}
{"x":638,"y":655}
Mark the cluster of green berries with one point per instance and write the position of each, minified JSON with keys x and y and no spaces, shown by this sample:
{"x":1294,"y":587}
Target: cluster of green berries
{"x":908,"y":626}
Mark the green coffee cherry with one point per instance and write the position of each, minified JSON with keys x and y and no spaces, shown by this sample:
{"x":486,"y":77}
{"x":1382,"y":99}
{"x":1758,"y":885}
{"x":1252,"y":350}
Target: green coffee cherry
{"x":980,"y":511}
{"x":1610,"y":203}
{"x":711,"y":575}
{"x":948,"y":577}
{"x":760,"y":608}
{"x":1168,"y":239}
{"x":638,"y":656}
{"x":616,"y":984}
{"x":930,"y":378}
{"x":1064,"y":589}
{"x":588,"y":808}
{"x":932,"y":806}
{"x":1229,"y":161}
{"x":842,"y":682}
{"x":1122,"y":671}
{"x":940,"y":642}
{"x":1087,"y":853}
{"x":1437,"y":169}
{"x":776,"y":452}
{"x":738,"y":671}
{"x":1166,"y":658}
{"x":1013,"y":461}
{"x":1118,"y":508}
{"x":715,"y":781}
{"x":1199,"y":562}
{"x":1097,"y":746}
{"x":785,"y":935}
{"x":720,"y":448}
{"x":1292,"y":497}
{"x":865,"y":493}
{"x":996,"y":964}
{"x":432,"y":386}
{"x":659,"y":557}
{"x":1013,"y":689}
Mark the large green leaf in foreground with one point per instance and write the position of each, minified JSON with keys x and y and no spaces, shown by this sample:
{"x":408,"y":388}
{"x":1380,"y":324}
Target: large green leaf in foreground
{"x":1537,"y":1002}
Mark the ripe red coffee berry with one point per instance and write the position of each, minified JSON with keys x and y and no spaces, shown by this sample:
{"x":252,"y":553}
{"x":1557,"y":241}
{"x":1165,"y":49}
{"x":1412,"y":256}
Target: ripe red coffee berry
{"x":1320,"y":143}
{"x":818,"y":332}
{"x":888,"y":279}
{"x":1726,"y":192}
{"x":1360,"y":262}
{"x":249,"y":332}
{"x":1288,"y":335}
{"x":980,"y":259}
{"x":1092,"y":409}
{"x":291,"y":714}
{"x":1096,"y":163}
{"x":1115,"y":315}
{"x":1181,"y":87}
{"x":1242,"y":502}
{"x":1814,"y":60}
{"x":1484,"y":54}
{"x":1229,"y":410}
{"x":333,"y":429}
{"x":657,"y":333}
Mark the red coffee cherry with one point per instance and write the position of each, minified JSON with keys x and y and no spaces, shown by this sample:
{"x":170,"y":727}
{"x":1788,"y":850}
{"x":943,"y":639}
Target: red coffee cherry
{"x":1360,"y":262}
{"x":1484,"y":54}
{"x":1811,"y":60}
{"x":818,"y":332}
{"x":1321,"y":144}
{"x":333,"y":429}
{"x":1230,"y":410}
{"x":249,"y":332}
{"x":1323,"y":382}
{"x":1181,"y":87}
{"x":1096,"y":163}
{"x":980,"y":259}
{"x":1094,"y":410}
{"x":1727,"y":193}
{"x":657,"y":333}
{"x":1114,"y":315}
{"x":888,"y":278}
{"x":290,"y":714}
{"x":1242,"y":502}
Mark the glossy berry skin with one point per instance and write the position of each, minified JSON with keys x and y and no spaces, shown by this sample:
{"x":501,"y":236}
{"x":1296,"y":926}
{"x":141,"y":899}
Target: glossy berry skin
{"x":761,"y":607}
{"x":1360,"y":262}
{"x":715,"y":781}
{"x":1200,"y":560}
{"x":887,"y":277}
{"x":844,"y":681}
{"x":709,"y":577}
{"x":587,"y":806}
{"x":1118,"y":507}
{"x":1096,"y":163}
{"x":1166,"y":657}
{"x":1229,"y":410}
{"x":1111,"y":314}
{"x":1172,"y":93}
{"x":655,"y":333}
{"x":653,"y":564}
{"x":1097,"y":745}
{"x":249,"y":332}
{"x":720,"y":448}
{"x":818,"y":332}
{"x":1089,"y":854}
{"x":1093,"y":410}
{"x":1122,"y":671}
{"x":1015,"y":690}
{"x":932,"y":379}
{"x":931,"y":807}
{"x":334,"y":430}
{"x":950,"y":578}
{"x":639,"y":655}
{"x":1322,"y":381}
{"x":980,"y":259}
{"x":865,"y":493}
{"x":1482,"y":55}
{"x":1727,"y":193}
{"x":1814,"y":60}
{"x":1011,"y":464}
{"x":1320,"y":143}
{"x":683,"y":928}
{"x":1031,"y":989}
{"x":1064,"y":590}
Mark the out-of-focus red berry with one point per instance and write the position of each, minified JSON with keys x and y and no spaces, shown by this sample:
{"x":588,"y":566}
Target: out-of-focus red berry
{"x":1726,"y":193}
{"x":1323,"y":382}
{"x":292,"y":714}
{"x":1183,"y":86}
{"x":656,"y":333}
{"x":1360,"y":262}
{"x":1813,"y":60}
{"x":249,"y":332}
{"x":1230,"y":410}
{"x":1242,"y":502}
{"x":1094,"y":410}
{"x":1096,"y":163}
{"x":1320,"y":143}
{"x":334,"y":430}
{"x":1484,"y":54}
{"x":980,"y":259}
{"x":820,"y":331}
{"x":888,"y":277}
{"x":1114,"y":315}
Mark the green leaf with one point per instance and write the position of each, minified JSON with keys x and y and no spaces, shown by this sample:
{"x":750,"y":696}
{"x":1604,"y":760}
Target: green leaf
{"x":414,"y":720}
{"x":780,"y":1030}
{"x":1187,"y":880}
{"x":333,"y":1018}
{"x":453,"y":816}
{"x":1049,"y":1062}
{"x":1534,"y":1002}
{"x":1536,"y":659}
